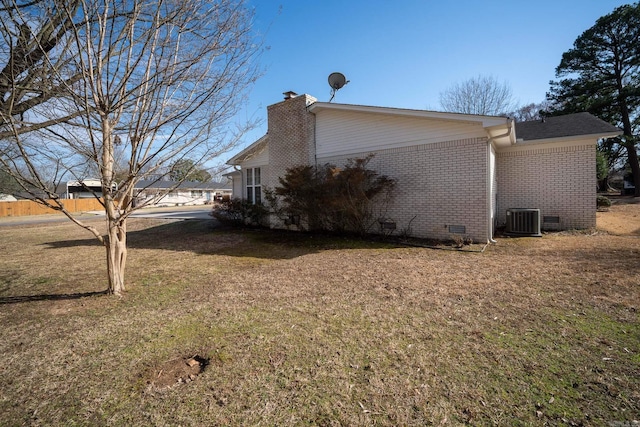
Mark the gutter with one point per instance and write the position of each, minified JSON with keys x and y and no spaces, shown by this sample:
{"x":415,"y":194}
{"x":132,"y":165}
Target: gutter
{"x":315,"y":132}
{"x":489,"y":181}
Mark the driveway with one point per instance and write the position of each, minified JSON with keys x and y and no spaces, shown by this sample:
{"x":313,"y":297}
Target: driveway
{"x":182,"y":212}
{"x":200,"y":212}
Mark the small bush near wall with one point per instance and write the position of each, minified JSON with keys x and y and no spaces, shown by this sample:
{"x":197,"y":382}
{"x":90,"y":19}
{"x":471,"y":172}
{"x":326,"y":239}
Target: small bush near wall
{"x":603,"y":202}
{"x":240,"y":212}
{"x":328,"y":198}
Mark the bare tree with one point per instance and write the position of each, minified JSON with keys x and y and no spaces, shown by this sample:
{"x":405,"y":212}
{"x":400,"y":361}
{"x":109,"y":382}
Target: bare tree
{"x":155,"y":81}
{"x":483,"y":95}
{"x":35,"y":36}
{"x":529,"y":112}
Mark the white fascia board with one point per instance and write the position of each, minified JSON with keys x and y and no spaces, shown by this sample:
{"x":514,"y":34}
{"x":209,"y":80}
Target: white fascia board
{"x":535,"y":144}
{"x":486,"y":121}
{"x":91,"y":182}
{"x":595,"y":137}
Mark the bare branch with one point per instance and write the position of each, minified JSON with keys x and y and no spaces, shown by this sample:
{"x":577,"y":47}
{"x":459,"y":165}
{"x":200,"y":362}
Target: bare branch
{"x":483,"y":95}
{"x":89,"y":83}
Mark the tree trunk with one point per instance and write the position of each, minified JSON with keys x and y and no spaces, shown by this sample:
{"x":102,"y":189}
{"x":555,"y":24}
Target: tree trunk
{"x":116,"y":245}
{"x":632,"y":154}
{"x":603,"y":184}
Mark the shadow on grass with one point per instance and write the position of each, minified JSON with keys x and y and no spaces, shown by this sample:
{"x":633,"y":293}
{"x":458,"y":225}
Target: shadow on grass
{"x":207,"y":238}
{"x":49,"y":297}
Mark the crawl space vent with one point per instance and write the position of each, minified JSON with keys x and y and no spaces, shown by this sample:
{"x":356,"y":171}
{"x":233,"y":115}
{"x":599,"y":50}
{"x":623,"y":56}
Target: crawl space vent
{"x":457,"y":229}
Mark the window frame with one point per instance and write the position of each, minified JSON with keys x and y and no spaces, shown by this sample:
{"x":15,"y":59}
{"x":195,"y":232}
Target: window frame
{"x":253,"y":186}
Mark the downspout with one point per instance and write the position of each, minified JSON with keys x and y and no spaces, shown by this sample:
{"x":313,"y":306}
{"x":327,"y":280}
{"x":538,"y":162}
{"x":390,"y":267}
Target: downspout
{"x":315,"y":135}
{"x":490,"y":140}
{"x":315,"y":140}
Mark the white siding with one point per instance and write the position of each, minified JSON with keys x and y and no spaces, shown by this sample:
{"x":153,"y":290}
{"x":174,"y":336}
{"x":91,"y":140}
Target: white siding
{"x":343,"y":133}
{"x":260,"y":159}
{"x":237,"y":186}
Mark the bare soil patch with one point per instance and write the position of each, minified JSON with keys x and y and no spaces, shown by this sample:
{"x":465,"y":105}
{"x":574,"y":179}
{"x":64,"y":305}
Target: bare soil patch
{"x":177,"y":371}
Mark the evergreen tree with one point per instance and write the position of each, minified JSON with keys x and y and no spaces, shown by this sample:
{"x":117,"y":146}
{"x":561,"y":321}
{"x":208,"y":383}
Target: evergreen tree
{"x":601,"y":75}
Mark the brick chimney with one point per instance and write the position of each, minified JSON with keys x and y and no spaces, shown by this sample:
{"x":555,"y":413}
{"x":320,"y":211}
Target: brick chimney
{"x":291,"y":135}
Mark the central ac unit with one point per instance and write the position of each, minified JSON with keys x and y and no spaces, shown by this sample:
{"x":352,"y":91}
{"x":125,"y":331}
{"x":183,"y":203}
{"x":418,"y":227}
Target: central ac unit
{"x":523,"y":222}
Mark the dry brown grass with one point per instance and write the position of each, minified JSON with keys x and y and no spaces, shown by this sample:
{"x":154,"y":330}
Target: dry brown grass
{"x":624,"y":219}
{"x":320,"y":331}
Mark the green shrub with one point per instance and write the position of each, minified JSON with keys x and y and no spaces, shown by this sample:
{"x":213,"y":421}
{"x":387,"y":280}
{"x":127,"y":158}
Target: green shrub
{"x":328,"y":198}
{"x":603,"y":202}
{"x":240,"y":212}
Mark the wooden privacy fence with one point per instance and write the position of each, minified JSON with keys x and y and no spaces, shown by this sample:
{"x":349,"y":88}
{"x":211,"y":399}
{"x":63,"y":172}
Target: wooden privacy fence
{"x":27,"y":207}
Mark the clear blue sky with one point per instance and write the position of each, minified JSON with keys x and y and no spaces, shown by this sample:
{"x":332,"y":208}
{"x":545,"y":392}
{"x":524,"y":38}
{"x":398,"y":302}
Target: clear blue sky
{"x":403,"y":53}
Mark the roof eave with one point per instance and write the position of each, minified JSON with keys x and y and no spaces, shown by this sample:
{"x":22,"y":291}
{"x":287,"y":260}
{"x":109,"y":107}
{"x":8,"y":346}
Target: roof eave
{"x":594,"y":136}
{"x":487,"y":121}
{"x":242,"y":156}
{"x":502,"y":135}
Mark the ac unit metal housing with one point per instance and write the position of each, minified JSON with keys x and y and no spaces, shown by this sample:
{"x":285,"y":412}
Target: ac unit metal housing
{"x":523,"y":222}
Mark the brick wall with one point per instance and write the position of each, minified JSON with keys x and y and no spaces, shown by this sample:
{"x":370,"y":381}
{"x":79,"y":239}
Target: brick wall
{"x":438,"y":185}
{"x":291,"y":136}
{"x":560,"y":181}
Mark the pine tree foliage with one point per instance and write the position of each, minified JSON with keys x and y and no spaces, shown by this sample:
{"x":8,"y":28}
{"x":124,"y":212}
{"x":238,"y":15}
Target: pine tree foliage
{"x":601,"y":74}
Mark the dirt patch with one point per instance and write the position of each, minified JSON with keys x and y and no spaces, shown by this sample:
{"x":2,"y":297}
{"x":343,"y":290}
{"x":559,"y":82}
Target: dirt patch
{"x":622,"y":218}
{"x":182,"y":370}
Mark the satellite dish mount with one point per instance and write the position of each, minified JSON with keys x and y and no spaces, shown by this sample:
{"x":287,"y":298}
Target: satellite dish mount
{"x":336,"y":81}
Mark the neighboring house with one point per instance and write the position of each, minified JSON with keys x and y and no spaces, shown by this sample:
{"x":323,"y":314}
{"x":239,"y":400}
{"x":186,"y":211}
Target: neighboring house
{"x":159,"y":193}
{"x":7,"y":198}
{"x":85,"y":189}
{"x":627,"y":185}
{"x":455,"y":173}
{"x":186,"y":193}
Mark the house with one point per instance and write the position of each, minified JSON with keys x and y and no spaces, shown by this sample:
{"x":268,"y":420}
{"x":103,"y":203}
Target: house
{"x":170,"y":193}
{"x":456,"y":173}
{"x":84,"y":189}
{"x":157,"y":192}
{"x":7,"y":198}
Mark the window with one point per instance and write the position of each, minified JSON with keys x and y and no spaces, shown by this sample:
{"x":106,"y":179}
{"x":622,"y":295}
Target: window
{"x":254,"y":188}
{"x":196,"y":193}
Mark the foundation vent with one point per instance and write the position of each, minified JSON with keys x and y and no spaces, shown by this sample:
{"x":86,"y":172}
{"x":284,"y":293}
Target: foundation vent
{"x":523,"y":222}
{"x":457,"y":229}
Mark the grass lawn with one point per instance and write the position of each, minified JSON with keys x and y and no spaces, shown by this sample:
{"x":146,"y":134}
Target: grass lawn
{"x":302,"y":330}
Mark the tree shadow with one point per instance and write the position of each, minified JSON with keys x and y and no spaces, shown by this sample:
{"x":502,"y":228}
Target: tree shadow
{"x":49,"y":297}
{"x":207,"y":237}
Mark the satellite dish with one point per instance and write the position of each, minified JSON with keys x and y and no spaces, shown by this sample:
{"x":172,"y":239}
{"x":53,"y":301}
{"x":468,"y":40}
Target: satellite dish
{"x":336,"y":81}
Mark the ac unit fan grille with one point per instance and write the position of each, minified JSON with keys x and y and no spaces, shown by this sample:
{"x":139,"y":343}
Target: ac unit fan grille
{"x":523,"y":222}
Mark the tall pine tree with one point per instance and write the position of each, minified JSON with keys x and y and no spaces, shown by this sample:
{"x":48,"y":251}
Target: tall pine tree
{"x":601,"y":75}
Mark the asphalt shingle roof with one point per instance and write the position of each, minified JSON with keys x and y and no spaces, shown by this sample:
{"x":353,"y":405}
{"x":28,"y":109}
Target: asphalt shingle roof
{"x":567,"y":125}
